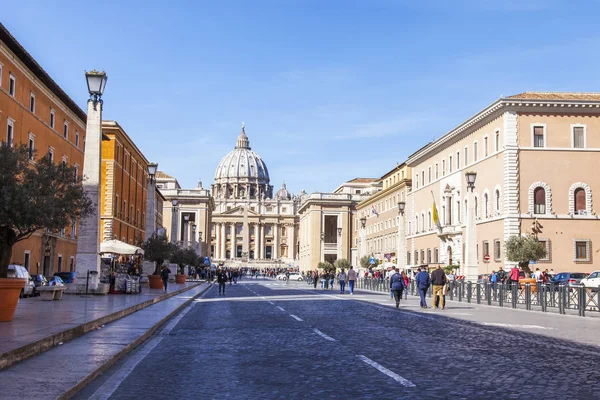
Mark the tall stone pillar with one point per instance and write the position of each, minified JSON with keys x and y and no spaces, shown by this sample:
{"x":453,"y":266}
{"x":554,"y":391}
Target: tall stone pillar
{"x":150,"y":209}
{"x":275,"y":241}
{"x":88,"y":243}
{"x":471,"y":269}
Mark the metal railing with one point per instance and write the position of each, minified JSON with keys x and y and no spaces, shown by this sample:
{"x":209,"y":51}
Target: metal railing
{"x":537,"y":297}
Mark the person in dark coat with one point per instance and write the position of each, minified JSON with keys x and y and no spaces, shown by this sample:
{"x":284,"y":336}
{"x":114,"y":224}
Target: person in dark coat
{"x":397,"y":286}
{"x":165,"y":276}
{"x":222,"y":280}
{"x":423,"y":282}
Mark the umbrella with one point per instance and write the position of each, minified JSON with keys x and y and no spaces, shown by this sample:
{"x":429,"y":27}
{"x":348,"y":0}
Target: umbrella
{"x":118,"y":247}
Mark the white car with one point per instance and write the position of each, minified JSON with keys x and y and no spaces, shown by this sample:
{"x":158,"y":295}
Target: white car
{"x":592,"y":281}
{"x":296,"y":277}
{"x":19,"y":271}
{"x":281,"y":277}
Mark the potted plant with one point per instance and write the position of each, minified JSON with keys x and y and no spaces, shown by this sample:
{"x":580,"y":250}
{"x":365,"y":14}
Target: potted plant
{"x":522,"y":250}
{"x":342,"y":263}
{"x":157,"y":249}
{"x":183,"y":257}
{"x":35,"y":195}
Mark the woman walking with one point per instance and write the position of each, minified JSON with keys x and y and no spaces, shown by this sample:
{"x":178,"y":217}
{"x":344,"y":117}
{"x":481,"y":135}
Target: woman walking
{"x":342,"y":278}
{"x":406,"y":282}
{"x":397,"y":286}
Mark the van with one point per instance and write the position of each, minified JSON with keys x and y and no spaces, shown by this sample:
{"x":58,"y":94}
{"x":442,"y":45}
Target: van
{"x":19,"y":271}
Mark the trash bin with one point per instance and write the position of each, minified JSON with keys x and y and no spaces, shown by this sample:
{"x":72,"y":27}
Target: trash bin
{"x":93,"y":283}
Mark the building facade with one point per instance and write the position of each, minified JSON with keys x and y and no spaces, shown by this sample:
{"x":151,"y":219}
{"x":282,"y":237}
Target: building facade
{"x":124,"y":187}
{"x":532,"y":154}
{"x":36,"y":112}
{"x":381,"y":236}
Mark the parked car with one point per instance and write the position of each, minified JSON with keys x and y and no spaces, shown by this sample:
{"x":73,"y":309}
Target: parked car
{"x":19,"y":271}
{"x":281,"y":277}
{"x":39,"y":280}
{"x":568,"y":278}
{"x":56,"y":281}
{"x":592,"y":281}
{"x":296,"y":277}
{"x":67,"y":277}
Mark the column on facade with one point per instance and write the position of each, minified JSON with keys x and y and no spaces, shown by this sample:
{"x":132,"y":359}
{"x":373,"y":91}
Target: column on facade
{"x":261,"y":254}
{"x":217,"y":241}
{"x":246,"y":231}
{"x":275,"y":241}
{"x":233,"y":241}
{"x":448,"y":208}
{"x":291,"y":245}
{"x":223,"y":240}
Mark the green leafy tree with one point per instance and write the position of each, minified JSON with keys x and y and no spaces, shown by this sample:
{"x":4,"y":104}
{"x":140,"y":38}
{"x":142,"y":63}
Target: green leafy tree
{"x":522,"y":249}
{"x":183,"y":257}
{"x":326,"y":266}
{"x":35,"y":195}
{"x":364,"y":262}
{"x":157,"y":249}
{"x":342,"y":263}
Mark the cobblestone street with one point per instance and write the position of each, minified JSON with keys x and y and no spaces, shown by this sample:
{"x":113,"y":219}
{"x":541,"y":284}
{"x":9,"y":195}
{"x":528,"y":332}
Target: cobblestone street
{"x":270,"y":340}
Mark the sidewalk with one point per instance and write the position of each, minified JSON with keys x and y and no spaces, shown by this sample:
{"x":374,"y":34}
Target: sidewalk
{"x":62,"y":371}
{"x":39,"y":325}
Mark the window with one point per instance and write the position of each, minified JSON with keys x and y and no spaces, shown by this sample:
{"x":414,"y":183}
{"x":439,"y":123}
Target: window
{"x":475,"y":152}
{"x":582,"y":250}
{"x":466,"y":156}
{"x":73,"y":228}
{"x":546,"y":243}
{"x":408,"y":258}
{"x":538,"y":136}
{"x":27,"y":260}
{"x":458,"y":211}
{"x":579,"y":197}
{"x":497,"y":144}
{"x":417,"y":180}
{"x":485,"y":146}
{"x":52,"y":118}
{"x":429,"y":173}
{"x":416,"y":257}
{"x":497,"y":201}
{"x":416,"y":224}
{"x":32,"y":103}
{"x":1,"y":74}
{"x":578,"y":137}
{"x":422,"y":256}
{"x":31,"y":146}
{"x":76,"y":172}
{"x":497,"y":250}
{"x":423,"y":178}
{"x":428,"y":256}
{"x":76,"y":139}
{"x":436,"y":255}
{"x":12,"y":83}
{"x":458,"y":160}
{"x":450,"y":164}
{"x":437,"y":175}
{"x":485,"y":205}
{"x":486,"y":249}
{"x":72,"y":264}
{"x":539,"y":201}
{"x":66,"y":130}
{"x":51,"y":154}
{"x":10,"y":132}
{"x":64,"y":160}
{"x":443,"y":167}
{"x":59,"y":263}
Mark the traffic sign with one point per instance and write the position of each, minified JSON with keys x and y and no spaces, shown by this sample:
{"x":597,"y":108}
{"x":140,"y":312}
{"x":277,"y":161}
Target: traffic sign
{"x":372,"y":260}
{"x":206,"y":260}
{"x":487,"y":258}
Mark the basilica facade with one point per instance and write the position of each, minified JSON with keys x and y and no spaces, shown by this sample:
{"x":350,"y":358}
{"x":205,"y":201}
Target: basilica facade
{"x":250,"y":223}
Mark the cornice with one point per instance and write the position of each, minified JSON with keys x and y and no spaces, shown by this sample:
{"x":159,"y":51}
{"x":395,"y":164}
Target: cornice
{"x":397,"y":186}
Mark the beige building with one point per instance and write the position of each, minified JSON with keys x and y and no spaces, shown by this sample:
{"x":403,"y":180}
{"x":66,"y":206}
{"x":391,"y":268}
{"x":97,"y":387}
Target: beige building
{"x":532,"y":154}
{"x":380,"y":237}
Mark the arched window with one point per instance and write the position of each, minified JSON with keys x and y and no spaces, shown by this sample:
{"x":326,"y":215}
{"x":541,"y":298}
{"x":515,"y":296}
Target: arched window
{"x":423,"y":227}
{"x":416,"y":224}
{"x":580,"y":200}
{"x":430,"y":226}
{"x":539,"y":201}
{"x":485,"y":205}
{"x":497,"y":200}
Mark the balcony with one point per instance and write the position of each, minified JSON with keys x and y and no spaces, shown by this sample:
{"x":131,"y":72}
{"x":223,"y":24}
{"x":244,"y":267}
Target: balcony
{"x":448,"y":232}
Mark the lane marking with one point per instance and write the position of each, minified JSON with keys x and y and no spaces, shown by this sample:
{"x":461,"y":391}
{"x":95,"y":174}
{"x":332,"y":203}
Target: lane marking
{"x":324,"y":336}
{"x":404,"y":382}
{"x":296,"y":318}
{"x":516,"y":326}
{"x":111,"y":385}
{"x":281,"y":308}
{"x":271,"y":303}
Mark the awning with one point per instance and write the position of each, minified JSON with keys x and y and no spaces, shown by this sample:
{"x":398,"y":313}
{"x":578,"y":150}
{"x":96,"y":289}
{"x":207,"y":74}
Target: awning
{"x":118,"y":247}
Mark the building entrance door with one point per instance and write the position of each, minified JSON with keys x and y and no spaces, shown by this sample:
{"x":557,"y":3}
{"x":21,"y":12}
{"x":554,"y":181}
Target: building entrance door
{"x":268,"y":252}
{"x":46,"y":268}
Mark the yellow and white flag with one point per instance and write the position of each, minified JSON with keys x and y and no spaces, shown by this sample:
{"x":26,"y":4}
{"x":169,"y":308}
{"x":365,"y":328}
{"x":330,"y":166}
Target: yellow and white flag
{"x":436,"y":217}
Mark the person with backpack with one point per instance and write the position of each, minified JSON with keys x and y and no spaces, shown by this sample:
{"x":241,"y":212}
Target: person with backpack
{"x":493,"y":279}
{"x":342,"y":277}
{"x":423,"y":282}
{"x":438,"y":279}
{"x":397,"y":286}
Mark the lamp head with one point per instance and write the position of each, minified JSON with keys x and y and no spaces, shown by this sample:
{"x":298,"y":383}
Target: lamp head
{"x":96,"y":82}
{"x":152,"y":169}
{"x":339,"y":231}
{"x":401,"y":207}
{"x":174,"y":202}
{"x":363,"y":222}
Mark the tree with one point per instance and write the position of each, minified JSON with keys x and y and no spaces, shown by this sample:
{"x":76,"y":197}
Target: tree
{"x":183,"y":257}
{"x":35,"y":195}
{"x":342,"y":263}
{"x":326,"y":266}
{"x":522,"y":249}
{"x":157,"y":249}
{"x":365,"y":262}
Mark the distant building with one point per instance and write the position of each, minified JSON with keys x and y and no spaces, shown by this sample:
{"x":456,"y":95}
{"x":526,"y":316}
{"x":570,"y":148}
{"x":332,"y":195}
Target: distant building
{"x":35,"y":111}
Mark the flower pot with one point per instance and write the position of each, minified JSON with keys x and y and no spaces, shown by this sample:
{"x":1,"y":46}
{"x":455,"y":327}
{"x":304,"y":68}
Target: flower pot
{"x":180,"y":278}
{"x":155,"y":282}
{"x":10,"y":288}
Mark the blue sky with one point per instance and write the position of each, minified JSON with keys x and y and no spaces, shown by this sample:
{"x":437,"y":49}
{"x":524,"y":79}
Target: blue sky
{"x":329,"y":90}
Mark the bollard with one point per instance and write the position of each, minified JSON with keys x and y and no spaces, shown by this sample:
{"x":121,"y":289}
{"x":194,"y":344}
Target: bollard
{"x":451,"y":287}
{"x":495,"y":291}
{"x":478,"y":293}
{"x":561,"y":304}
{"x":501,"y":295}
{"x":528,"y":296}
{"x":460,"y":290}
{"x":429,"y":291}
{"x":543,"y":297}
{"x":469,"y":291}
{"x":515,"y":294}
{"x":582,"y":297}
{"x":488,"y":288}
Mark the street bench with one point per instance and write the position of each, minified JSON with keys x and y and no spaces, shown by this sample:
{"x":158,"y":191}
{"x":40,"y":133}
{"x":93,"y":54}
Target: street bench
{"x":51,"y":292}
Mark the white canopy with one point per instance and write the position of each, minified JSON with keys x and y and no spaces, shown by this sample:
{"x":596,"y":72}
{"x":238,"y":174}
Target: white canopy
{"x":118,"y":247}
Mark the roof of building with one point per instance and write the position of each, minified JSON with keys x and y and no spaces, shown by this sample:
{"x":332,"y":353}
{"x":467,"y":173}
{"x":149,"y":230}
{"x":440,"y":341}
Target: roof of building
{"x":362,"y":180}
{"x":160,"y":174}
{"x":555,"y":96}
{"x":39,"y":72}
{"x":242,"y":163}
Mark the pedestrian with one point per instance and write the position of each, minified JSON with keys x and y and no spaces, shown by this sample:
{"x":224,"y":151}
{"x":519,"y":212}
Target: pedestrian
{"x":342,"y":277}
{"x":315,"y":279}
{"x":406,"y":282}
{"x":514,"y":276}
{"x":501,"y":275}
{"x":331,"y":279}
{"x":493,"y":279}
{"x":397,"y":286}
{"x":165,"y":276}
{"x":222,"y":280}
{"x":324,"y":280}
{"x":351,"y":279}
{"x":438,"y":279}
{"x":423,"y":282}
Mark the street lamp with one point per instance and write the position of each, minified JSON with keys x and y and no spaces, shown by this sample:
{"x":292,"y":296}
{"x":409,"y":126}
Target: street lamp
{"x":186,"y":224}
{"x":151,"y":201}
{"x":96,"y":81}
{"x":401,"y":206}
{"x":88,"y":244}
{"x":363,"y":222}
{"x":471,"y":176}
{"x":401,"y":261}
{"x":152,"y":170}
{"x":470,"y":265}
{"x":174,"y":218}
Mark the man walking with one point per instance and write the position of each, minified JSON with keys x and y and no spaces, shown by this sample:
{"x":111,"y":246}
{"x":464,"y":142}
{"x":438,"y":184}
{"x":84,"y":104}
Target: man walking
{"x":438,"y":279}
{"x":422,"y":281}
{"x":342,"y":278}
{"x":351,"y":279}
{"x":222,"y":280}
{"x":397,"y":286}
{"x":165,"y":276}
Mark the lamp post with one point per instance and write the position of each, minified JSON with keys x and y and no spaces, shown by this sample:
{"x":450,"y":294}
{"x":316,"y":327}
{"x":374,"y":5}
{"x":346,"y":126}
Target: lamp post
{"x":194,"y":236}
{"x":200,"y":244}
{"x":174,"y":218}
{"x":151,"y":201}
{"x":363,"y":238}
{"x":401,"y":239}
{"x":186,"y":226}
{"x":470,"y":264}
{"x":88,"y":244}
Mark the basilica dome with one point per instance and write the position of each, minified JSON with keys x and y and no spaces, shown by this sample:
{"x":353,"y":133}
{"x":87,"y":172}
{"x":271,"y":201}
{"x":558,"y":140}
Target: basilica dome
{"x":242,"y":162}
